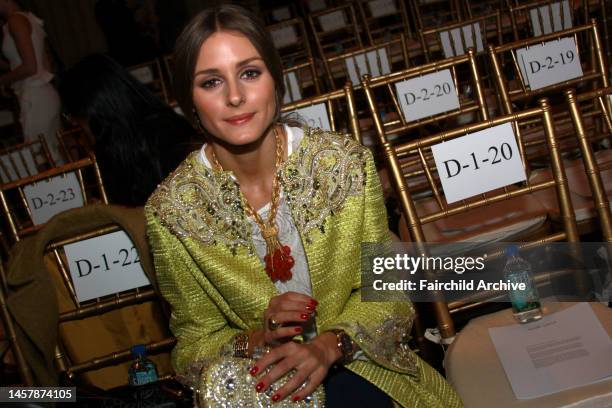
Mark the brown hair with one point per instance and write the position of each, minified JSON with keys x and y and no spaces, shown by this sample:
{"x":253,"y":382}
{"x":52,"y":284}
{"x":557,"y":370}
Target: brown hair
{"x":203,"y":25}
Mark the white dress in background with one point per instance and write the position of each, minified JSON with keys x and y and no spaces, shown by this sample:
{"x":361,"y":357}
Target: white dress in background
{"x":38,"y":100}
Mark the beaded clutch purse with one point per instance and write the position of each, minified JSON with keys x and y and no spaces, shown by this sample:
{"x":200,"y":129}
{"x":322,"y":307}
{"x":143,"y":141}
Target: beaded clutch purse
{"x":225,"y":382}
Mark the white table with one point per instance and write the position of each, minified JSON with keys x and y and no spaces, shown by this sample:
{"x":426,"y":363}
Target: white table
{"x":474,"y":370}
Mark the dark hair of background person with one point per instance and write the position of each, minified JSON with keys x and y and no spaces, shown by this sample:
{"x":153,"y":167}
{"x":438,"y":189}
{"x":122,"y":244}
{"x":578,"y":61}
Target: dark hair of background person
{"x":139,"y":139}
{"x":228,"y":17}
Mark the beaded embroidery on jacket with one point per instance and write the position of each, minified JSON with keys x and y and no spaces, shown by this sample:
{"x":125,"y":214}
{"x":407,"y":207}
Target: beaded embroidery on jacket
{"x":317,"y":179}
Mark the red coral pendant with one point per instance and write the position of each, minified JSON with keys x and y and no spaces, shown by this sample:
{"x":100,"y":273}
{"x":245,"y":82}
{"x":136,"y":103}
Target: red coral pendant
{"x":278,"y":266}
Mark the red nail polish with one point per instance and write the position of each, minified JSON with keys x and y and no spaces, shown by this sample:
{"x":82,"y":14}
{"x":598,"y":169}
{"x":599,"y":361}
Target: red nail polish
{"x":304,"y":316}
{"x":298,"y":329}
{"x":275,"y":397}
{"x":295,"y":398}
{"x":254,"y":370}
{"x":259,"y":387}
{"x":314,"y":303}
{"x":310,"y":308}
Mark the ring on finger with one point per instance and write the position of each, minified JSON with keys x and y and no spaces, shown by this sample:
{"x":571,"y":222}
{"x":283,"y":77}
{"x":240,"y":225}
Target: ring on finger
{"x":273,"y":324}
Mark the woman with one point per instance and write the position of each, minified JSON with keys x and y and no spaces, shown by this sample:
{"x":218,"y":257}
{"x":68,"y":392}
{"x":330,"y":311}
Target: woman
{"x":138,"y":140}
{"x":30,"y":76}
{"x":256,"y":237}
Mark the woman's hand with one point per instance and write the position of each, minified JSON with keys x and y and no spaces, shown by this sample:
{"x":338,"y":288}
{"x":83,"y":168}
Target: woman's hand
{"x":290,"y":310}
{"x":310,"y":360}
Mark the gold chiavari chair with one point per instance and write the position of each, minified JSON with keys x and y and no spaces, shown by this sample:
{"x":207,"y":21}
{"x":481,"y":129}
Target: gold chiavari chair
{"x":540,"y":17}
{"x":602,"y":10}
{"x":335,"y":111}
{"x":433,"y":13}
{"x":336,"y":30}
{"x":301,"y":81}
{"x":589,"y":177}
{"x":75,"y":143}
{"x":376,"y":60}
{"x":454,"y":39}
{"x":291,"y":41}
{"x":390,"y":105}
{"x":510,"y":213}
{"x":25,"y":160}
{"x":518,"y":93}
{"x":150,"y":74}
{"x":29,"y":202}
{"x":384,"y":20}
{"x":90,"y":349}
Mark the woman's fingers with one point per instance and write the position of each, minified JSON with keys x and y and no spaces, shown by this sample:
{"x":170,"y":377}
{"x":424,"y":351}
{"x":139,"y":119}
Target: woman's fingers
{"x":287,"y":357}
{"x":314,"y":380}
{"x":271,"y":336}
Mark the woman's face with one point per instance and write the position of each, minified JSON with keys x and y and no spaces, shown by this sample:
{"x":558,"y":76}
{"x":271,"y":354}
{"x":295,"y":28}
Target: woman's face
{"x":233,"y":91}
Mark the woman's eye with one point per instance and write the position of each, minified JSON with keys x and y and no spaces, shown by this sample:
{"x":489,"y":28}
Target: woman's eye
{"x":209,"y":83}
{"x":251,"y":74}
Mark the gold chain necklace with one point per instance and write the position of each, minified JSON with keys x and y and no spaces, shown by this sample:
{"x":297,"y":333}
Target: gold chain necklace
{"x":278,"y":257}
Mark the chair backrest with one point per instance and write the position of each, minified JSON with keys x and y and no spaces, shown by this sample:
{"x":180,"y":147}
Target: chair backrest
{"x":150,"y":74}
{"x":423,"y":151}
{"x":291,"y":41}
{"x":30,"y":202}
{"x":454,"y":39}
{"x":335,"y":30}
{"x":377,"y":60}
{"x":25,"y":160}
{"x":591,"y":114}
{"x":432,"y":13}
{"x":335,"y":111}
{"x":541,"y":65}
{"x":384,"y":20}
{"x":542,"y":17}
{"x":106,"y":306}
{"x":428,"y":95}
{"x":301,"y":81}
{"x":75,"y":143}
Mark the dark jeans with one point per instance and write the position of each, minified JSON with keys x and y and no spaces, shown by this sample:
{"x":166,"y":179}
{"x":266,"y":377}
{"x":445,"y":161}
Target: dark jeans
{"x":344,"y":388}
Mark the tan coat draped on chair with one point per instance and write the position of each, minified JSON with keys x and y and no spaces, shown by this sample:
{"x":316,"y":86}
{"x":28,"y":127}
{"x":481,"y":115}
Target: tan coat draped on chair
{"x":32,"y":299}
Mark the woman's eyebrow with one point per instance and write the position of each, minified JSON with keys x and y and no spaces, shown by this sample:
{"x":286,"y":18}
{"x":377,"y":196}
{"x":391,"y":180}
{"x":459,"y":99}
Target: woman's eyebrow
{"x":238,"y":65}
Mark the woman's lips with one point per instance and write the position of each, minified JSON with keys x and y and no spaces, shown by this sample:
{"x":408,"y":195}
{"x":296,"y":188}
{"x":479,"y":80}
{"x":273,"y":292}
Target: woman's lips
{"x":240,"y":119}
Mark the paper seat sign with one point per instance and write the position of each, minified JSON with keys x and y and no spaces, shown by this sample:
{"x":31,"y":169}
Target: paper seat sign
{"x":374,"y":63}
{"x":333,"y":21}
{"x":104,"y":265}
{"x":427,"y":95}
{"x":315,"y":116}
{"x":478,"y":162}
{"x":540,"y":18}
{"x":550,"y":63}
{"x":47,"y":198}
{"x":284,"y":36}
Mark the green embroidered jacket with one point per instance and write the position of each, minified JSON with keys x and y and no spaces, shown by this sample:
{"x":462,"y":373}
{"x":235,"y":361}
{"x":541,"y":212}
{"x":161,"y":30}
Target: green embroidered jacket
{"x":209,"y":272}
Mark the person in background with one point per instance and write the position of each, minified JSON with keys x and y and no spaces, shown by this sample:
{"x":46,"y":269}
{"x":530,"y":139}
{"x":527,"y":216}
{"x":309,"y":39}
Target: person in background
{"x":29,"y":74}
{"x":137,"y":138}
{"x":257,"y":236}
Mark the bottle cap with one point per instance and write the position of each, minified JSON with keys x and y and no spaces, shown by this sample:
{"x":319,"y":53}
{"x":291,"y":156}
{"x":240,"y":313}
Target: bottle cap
{"x":138,"y":350}
{"x":512,"y":250}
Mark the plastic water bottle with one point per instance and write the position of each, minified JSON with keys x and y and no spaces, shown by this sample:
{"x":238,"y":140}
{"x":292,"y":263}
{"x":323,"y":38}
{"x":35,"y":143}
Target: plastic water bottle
{"x":525,"y":303}
{"x":142,"y":371}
